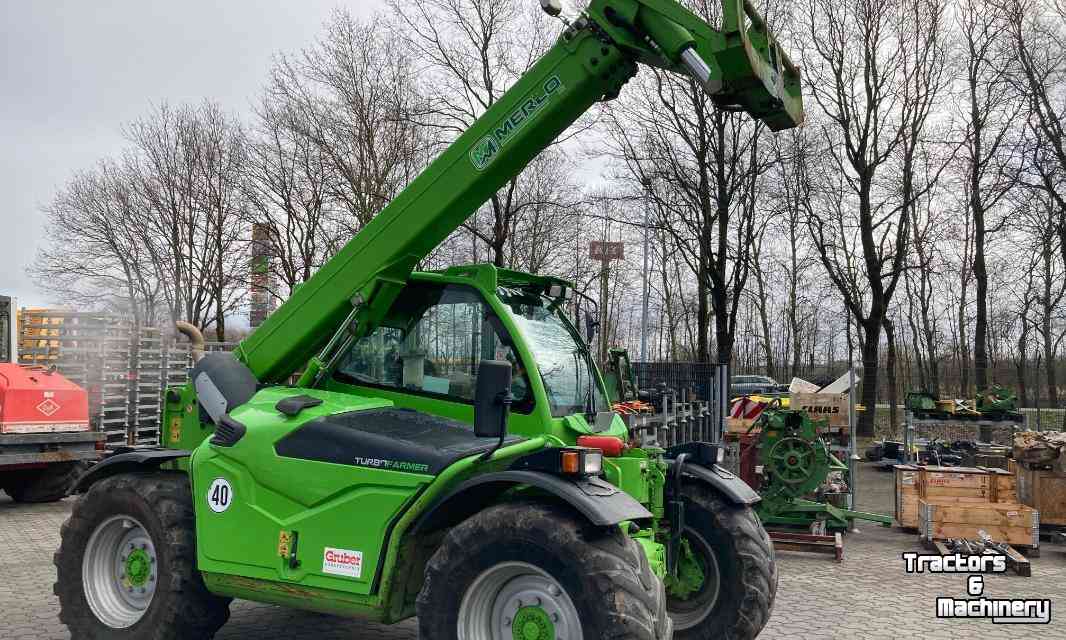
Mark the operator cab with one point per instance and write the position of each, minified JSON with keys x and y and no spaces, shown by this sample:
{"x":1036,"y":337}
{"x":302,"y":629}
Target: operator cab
{"x":431,"y":344}
{"x":426,"y":351}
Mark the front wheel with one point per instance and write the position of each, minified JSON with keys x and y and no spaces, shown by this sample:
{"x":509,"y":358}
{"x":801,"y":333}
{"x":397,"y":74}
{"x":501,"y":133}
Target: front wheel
{"x":537,"y":572}
{"x":727,"y":576}
{"x":126,"y":564}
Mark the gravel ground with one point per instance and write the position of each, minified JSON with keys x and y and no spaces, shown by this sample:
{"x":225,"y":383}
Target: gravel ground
{"x":868,"y":596}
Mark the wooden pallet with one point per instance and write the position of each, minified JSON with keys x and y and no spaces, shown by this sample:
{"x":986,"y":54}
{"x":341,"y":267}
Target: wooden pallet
{"x":828,"y":544}
{"x":1015,"y":524}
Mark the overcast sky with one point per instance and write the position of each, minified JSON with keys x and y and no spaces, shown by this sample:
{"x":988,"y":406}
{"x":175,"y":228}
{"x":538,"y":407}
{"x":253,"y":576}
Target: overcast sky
{"x":72,"y":72}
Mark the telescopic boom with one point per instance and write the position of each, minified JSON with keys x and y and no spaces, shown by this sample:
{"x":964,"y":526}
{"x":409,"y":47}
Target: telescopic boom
{"x":741,"y":67}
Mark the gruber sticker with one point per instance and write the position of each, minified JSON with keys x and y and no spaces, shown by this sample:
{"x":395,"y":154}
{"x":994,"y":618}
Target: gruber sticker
{"x":342,"y":562}
{"x":219,"y":495}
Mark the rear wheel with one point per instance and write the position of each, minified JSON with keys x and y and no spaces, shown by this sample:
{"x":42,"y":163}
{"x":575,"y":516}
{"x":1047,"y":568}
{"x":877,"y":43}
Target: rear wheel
{"x":126,"y":565}
{"x":537,"y":572}
{"x":727,"y":575}
{"x":47,"y":484}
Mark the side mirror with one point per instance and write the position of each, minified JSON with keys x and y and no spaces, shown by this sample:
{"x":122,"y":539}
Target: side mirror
{"x":492,"y":398}
{"x":591,"y":325}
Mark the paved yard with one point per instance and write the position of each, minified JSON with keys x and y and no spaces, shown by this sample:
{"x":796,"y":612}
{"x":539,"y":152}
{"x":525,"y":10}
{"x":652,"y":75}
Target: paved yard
{"x":869,"y":596}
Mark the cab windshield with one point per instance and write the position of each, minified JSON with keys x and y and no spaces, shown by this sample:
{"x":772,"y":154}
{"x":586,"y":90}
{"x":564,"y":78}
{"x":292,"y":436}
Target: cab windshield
{"x":564,"y":362}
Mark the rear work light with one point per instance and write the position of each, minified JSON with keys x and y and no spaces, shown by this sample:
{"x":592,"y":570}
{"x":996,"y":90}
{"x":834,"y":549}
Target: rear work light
{"x":570,"y":461}
{"x":582,"y":462}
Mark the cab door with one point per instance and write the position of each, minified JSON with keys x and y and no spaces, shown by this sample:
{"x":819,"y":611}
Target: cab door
{"x":426,"y":353}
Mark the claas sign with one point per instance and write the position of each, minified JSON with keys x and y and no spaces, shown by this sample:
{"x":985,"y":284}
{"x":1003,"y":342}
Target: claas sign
{"x":829,"y":407}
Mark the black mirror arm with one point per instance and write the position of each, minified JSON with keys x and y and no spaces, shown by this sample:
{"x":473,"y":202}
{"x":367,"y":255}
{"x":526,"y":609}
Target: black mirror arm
{"x":505,"y":398}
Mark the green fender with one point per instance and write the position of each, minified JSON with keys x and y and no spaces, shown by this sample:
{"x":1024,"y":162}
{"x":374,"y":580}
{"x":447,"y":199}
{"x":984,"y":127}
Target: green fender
{"x":600,"y":502}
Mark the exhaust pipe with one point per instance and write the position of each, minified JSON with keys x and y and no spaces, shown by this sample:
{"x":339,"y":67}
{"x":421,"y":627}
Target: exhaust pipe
{"x":196,"y":339}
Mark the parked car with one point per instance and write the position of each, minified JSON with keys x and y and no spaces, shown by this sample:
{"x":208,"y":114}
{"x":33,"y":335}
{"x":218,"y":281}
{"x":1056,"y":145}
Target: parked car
{"x":755,"y":385}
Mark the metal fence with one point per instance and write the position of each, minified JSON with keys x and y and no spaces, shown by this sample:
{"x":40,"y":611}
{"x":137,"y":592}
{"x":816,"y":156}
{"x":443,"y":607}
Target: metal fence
{"x":690,"y":380}
{"x":691,"y":399}
{"x":125,"y":369}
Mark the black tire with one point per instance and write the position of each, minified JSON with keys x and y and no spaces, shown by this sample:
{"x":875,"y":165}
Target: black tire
{"x":747,"y":570}
{"x":48,"y":484}
{"x":181,"y":606}
{"x":604,"y":573}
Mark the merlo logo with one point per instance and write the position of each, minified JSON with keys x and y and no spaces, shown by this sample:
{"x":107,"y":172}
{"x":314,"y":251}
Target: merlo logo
{"x":485,"y":151}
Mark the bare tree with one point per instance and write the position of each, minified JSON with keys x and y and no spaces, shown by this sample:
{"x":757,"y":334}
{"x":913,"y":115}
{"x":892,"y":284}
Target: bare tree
{"x":93,"y":254}
{"x":354,"y":97}
{"x":287,"y":183}
{"x":1038,"y":29}
{"x":986,"y":113}
{"x":876,"y":71}
{"x":470,"y":52}
{"x":701,"y":167}
{"x":184,"y":166}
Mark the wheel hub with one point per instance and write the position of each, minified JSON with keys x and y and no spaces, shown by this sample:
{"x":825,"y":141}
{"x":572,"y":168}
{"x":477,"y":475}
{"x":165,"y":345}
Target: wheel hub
{"x":690,"y":576}
{"x":533,"y":623}
{"x":138,"y":567}
{"x":693,"y":595}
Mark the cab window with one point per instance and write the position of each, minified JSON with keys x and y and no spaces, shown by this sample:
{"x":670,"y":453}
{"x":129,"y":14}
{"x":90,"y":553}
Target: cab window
{"x":431,"y":343}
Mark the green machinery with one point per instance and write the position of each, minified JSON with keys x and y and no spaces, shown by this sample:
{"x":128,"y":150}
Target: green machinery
{"x":921,"y":403}
{"x":447,"y":449}
{"x":994,"y":403}
{"x":796,"y":462}
{"x":998,"y":403}
{"x":619,"y":378}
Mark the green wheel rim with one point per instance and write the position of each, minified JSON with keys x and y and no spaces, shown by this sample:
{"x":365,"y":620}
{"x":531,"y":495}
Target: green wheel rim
{"x":532,"y":623}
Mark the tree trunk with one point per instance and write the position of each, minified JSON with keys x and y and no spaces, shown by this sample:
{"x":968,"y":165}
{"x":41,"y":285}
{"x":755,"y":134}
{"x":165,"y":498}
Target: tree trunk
{"x":964,"y":350}
{"x":890,"y":369}
{"x":703,"y":323}
{"x":1023,"y":345}
{"x":980,"y":335}
{"x":870,"y":351}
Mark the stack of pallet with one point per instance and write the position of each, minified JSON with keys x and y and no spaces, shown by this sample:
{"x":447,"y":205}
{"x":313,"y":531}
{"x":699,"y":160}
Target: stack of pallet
{"x":959,"y":502}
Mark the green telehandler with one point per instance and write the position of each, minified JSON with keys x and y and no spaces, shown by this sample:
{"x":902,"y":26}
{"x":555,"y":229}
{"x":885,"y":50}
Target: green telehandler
{"x":391,"y":443}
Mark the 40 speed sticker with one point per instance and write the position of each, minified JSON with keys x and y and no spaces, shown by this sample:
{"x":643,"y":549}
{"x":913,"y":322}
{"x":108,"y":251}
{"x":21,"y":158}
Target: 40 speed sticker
{"x":219,"y":495}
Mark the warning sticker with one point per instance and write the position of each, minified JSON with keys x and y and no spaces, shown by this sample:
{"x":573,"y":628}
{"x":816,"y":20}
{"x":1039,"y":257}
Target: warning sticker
{"x":342,"y":562}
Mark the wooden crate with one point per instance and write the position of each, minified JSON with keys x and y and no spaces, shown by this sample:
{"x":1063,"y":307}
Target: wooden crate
{"x":1045,"y":491}
{"x":965,"y":484}
{"x":1015,"y":524}
{"x":907,"y":495}
{"x":1005,"y":486}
